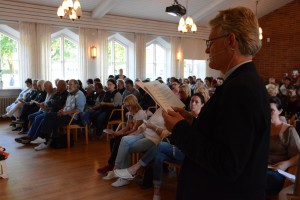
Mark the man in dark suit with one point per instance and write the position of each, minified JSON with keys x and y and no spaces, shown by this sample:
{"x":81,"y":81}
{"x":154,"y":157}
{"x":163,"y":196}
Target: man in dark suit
{"x":226,"y":147}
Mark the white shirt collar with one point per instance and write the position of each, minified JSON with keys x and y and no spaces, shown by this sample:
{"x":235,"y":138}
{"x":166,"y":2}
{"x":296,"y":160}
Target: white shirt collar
{"x":234,"y":68}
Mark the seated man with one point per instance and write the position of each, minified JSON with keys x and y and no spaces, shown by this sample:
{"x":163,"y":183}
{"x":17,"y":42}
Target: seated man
{"x":53,"y":103}
{"x":52,"y":121}
{"x":129,"y":89}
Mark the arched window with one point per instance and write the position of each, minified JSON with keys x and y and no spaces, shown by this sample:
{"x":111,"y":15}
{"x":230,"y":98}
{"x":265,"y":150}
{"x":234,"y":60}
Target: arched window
{"x":9,"y":58}
{"x":117,"y":57}
{"x":156,"y":59}
{"x":64,"y":55}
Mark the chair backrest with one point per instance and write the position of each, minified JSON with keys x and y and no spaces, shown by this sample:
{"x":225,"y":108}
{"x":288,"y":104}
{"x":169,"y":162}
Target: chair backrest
{"x":114,"y":112}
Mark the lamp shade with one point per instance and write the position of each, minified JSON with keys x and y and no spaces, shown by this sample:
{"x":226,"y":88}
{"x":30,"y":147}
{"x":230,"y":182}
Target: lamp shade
{"x":93,"y":52}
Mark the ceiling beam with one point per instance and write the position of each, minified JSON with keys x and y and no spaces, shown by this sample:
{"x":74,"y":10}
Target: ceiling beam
{"x":103,"y":8}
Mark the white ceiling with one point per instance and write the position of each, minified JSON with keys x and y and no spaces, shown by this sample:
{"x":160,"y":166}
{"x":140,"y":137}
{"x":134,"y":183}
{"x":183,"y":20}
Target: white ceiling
{"x":200,"y":10}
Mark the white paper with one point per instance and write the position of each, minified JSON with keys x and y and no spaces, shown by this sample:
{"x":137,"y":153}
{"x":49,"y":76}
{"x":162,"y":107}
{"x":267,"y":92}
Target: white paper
{"x":161,"y":94}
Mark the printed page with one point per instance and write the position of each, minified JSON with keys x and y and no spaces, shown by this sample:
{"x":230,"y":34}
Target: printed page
{"x":162,"y":94}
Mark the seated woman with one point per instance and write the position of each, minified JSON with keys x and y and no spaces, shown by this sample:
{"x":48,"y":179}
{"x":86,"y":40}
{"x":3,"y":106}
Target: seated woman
{"x":169,"y":152}
{"x":135,"y":119}
{"x":139,"y":141}
{"x":100,"y":114}
{"x":163,"y":152}
{"x":283,"y":149}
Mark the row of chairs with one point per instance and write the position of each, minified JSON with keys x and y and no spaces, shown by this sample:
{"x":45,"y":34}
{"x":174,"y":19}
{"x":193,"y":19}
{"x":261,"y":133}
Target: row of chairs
{"x":111,"y":123}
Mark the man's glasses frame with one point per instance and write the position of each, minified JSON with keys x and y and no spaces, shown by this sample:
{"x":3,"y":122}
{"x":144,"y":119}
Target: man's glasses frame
{"x":211,"y":41}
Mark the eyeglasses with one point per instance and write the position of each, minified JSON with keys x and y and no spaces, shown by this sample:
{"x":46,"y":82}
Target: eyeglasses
{"x":211,"y":41}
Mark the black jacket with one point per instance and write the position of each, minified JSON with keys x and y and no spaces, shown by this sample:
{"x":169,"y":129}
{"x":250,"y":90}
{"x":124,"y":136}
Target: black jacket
{"x":227,"y":147}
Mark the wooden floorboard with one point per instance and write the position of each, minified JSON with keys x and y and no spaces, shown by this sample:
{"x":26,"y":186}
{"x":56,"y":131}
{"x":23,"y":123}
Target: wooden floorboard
{"x":68,"y":174}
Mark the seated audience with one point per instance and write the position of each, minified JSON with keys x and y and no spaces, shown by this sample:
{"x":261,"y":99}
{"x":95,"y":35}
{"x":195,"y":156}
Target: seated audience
{"x":292,"y":103}
{"x":53,"y":120}
{"x":32,"y":107}
{"x":53,"y":103}
{"x":55,"y":100}
{"x":15,"y":109}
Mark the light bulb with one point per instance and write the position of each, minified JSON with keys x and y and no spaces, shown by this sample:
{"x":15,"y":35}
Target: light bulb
{"x":65,"y":5}
{"x":60,"y":12}
{"x":194,"y":27}
{"x":76,"y":5}
{"x":70,"y":3}
{"x":189,"y":21}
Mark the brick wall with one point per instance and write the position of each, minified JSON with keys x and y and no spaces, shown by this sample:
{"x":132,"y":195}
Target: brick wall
{"x":282,"y":54}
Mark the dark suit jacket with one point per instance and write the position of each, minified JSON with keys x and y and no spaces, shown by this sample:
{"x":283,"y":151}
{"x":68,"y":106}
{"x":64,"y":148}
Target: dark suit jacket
{"x":227,"y":147}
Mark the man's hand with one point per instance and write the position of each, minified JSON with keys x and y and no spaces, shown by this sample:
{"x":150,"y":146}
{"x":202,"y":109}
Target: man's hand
{"x":172,"y":118}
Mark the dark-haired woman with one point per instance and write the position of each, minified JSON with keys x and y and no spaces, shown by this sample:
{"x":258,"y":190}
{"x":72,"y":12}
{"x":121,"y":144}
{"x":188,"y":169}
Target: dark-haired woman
{"x":112,"y":99}
{"x":283,"y":150}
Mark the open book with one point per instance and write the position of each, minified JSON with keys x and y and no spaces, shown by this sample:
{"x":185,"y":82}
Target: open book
{"x":161,"y":94}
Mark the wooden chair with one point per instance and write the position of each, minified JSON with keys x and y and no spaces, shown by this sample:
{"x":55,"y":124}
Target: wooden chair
{"x":296,"y":192}
{"x":112,"y":121}
{"x":71,"y":126}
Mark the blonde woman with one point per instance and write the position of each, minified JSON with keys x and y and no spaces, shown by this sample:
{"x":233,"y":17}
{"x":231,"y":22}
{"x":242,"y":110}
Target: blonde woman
{"x":142,"y":140}
{"x":135,"y":119}
{"x":204,"y":92}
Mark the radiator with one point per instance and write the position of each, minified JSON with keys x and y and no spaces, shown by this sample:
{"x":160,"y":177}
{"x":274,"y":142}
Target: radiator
{"x":4,"y":102}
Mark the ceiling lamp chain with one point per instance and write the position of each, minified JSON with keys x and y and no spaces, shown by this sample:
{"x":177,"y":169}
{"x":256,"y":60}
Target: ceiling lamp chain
{"x":69,"y":8}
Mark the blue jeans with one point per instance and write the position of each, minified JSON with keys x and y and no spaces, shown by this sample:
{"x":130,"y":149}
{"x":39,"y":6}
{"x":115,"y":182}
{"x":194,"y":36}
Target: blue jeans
{"x":275,"y":182}
{"x":166,"y":152}
{"x":148,"y":156}
{"x":131,"y":144}
{"x":36,"y":120}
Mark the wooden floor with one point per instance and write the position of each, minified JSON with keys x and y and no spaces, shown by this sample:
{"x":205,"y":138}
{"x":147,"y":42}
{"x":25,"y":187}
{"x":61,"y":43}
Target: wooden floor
{"x":65,"y":174}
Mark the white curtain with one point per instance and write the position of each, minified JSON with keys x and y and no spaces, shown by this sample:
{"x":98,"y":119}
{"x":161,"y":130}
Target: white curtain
{"x":43,"y":54}
{"x":140,"y":55}
{"x":176,"y":65}
{"x":83,"y":54}
{"x":103,"y":55}
{"x":28,"y":53}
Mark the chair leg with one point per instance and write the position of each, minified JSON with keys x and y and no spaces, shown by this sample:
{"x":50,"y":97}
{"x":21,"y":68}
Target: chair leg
{"x":86,"y":131}
{"x":68,"y":137}
{"x":76,"y":136}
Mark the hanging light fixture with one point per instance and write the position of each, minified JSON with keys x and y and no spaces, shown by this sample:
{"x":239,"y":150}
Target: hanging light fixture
{"x":187,"y":25}
{"x":259,"y":29}
{"x":69,"y":8}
